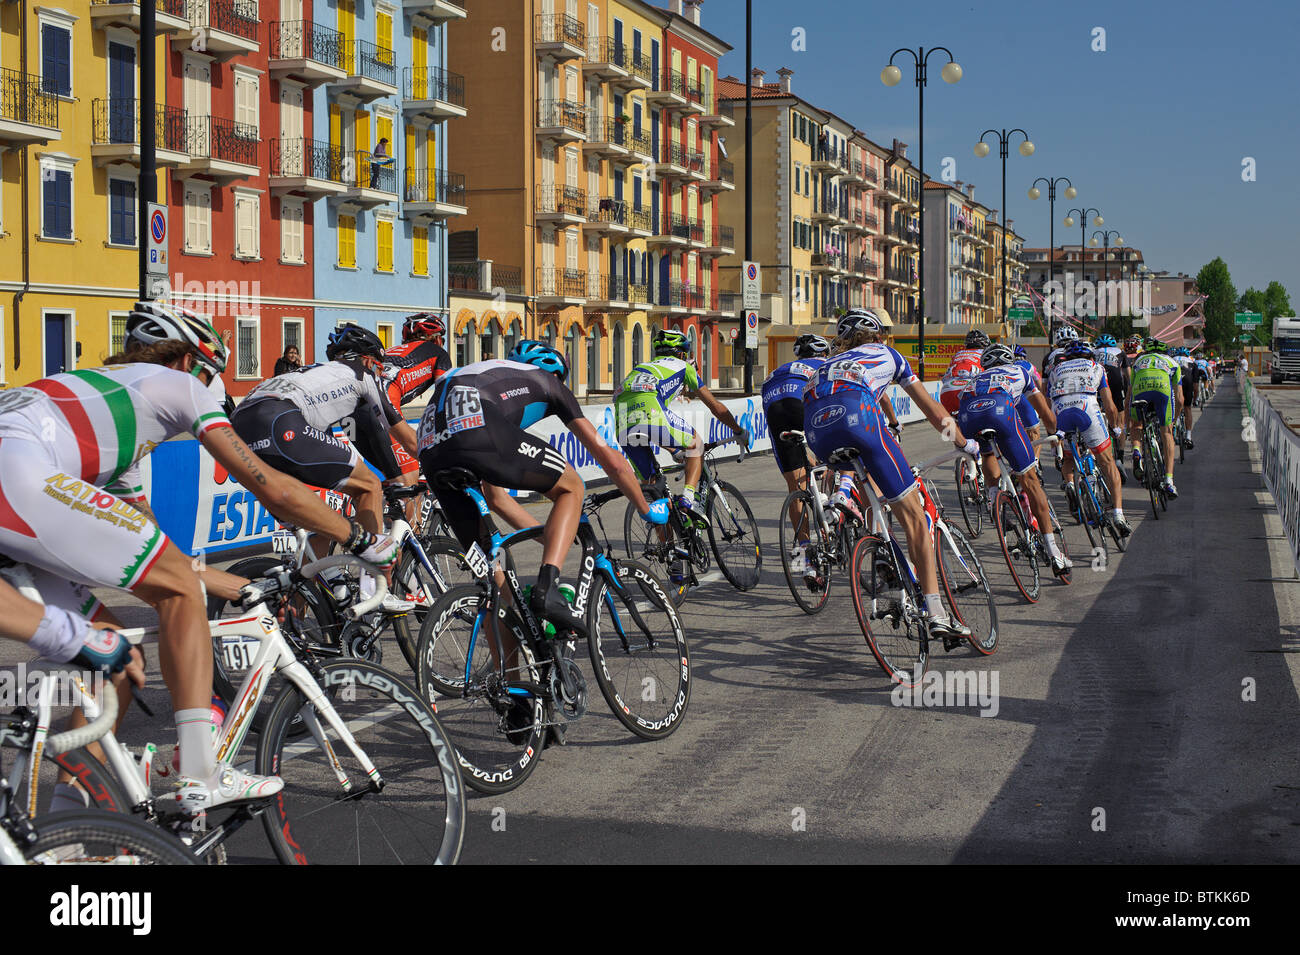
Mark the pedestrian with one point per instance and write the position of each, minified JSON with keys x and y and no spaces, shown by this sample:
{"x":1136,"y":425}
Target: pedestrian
{"x":823,"y":146}
{"x":379,"y":159}
{"x":289,"y":361}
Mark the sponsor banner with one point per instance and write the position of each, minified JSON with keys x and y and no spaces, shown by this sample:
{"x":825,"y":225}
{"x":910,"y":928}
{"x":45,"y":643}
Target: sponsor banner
{"x":937,"y":348}
{"x":1279,"y":449}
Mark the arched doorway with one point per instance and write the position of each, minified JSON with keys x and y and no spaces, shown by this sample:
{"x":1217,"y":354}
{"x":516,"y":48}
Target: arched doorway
{"x":487,"y":341}
{"x":463,"y":352}
{"x":638,"y":345}
{"x":511,"y":337}
{"x":548,"y":334}
{"x":593,"y":359}
{"x":571,"y":350}
{"x":693,"y":341}
{"x":706,"y":357}
{"x":618,"y":370}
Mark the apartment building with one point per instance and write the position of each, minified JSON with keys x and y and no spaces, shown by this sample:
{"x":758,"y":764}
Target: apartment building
{"x":959,"y":272}
{"x":1015,"y":268}
{"x":69,"y":171}
{"x":899,"y":202}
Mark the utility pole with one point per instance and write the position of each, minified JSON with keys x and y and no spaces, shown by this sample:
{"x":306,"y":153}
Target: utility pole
{"x":749,"y":167}
{"x":147,"y":191}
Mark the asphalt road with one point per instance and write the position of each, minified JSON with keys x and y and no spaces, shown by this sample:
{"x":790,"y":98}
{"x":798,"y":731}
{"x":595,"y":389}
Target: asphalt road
{"x":1121,"y":733}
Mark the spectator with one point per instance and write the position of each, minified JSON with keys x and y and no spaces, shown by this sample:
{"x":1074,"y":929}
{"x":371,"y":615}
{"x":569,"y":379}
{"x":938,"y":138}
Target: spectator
{"x":379,"y":159}
{"x":290,"y":361}
{"x":823,"y":146}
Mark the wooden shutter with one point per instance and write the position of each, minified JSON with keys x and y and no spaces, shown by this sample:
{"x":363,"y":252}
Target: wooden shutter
{"x":420,"y":237}
{"x":384,"y":239}
{"x":419,"y":63}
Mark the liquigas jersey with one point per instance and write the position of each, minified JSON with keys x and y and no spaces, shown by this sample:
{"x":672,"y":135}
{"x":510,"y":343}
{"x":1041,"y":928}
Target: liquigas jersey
{"x":659,"y":381}
{"x":1153,"y":371}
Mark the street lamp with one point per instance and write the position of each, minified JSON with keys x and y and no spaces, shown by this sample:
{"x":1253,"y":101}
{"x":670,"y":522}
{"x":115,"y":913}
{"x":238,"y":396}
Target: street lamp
{"x":1083,"y":229}
{"x":982,"y":150}
{"x":1105,"y":258}
{"x":1070,"y":193}
{"x":891,"y":75}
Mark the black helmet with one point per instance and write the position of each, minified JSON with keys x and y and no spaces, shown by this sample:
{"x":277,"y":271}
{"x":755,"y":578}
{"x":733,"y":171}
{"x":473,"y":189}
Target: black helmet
{"x":996,"y":354}
{"x":976,"y":339}
{"x":352,"y":339}
{"x":811,"y":346}
{"x":858,"y":320}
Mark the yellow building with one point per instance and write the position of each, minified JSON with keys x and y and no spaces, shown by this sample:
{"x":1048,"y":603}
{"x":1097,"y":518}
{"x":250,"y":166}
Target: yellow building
{"x":900,"y":208}
{"x":69,"y":155}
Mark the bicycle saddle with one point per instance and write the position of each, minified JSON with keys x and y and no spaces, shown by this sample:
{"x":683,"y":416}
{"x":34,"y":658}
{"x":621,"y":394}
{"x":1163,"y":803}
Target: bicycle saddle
{"x":843,"y":455}
{"x":989,"y":434}
{"x":454,"y":479}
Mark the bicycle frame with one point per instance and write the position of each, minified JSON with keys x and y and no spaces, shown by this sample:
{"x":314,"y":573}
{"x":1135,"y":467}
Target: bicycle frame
{"x":1085,"y":467}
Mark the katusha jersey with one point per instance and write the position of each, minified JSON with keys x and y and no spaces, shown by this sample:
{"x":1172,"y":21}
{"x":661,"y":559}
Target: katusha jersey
{"x":1011,"y":380}
{"x":963,"y":368}
{"x":871,"y":367}
{"x":97,"y":423}
{"x":790,"y":379}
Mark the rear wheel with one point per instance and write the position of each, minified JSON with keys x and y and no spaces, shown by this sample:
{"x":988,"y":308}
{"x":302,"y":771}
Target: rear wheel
{"x":1059,"y":531}
{"x":966,"y":587}
{"x":898,"y":644}
{"x":90,"y":837}
{"x":656,"y":544}
{"x":802,"y":547}
{"x":733,"y":532}
{"x":969,"y":496}
{"x":412,"y":581}
{"x":1017,"y":547}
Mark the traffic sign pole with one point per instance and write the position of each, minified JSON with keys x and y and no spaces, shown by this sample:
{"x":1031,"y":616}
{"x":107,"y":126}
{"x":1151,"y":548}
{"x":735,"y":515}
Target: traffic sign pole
{"x":751,"y":297}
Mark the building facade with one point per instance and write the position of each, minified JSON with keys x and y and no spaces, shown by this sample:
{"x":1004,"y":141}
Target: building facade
{"x":959,"y":279}
{"x":899,"y":203}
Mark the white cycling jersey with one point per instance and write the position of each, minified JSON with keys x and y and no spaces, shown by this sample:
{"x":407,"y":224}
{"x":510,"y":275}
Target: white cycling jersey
{"x":328,"y":392}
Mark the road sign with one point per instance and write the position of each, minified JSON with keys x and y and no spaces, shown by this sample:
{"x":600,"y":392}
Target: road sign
{"x":156,"y":252}
{"x":751,"y":278}
{"x":735,"y":333}
{"x":1020,"y":315}
{"x":1248,"y":319}
{"x":751,"y":329}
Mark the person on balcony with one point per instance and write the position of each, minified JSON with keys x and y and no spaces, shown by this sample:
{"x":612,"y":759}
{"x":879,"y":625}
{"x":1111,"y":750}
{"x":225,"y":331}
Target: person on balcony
{"x":379,"y":159}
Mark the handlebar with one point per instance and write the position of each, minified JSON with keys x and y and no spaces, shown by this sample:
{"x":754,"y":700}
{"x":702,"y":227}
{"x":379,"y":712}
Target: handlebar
{"x":599,"y":499}
{"x":85,"y":735}
{"x":402,"y":492}
{"x":940,"y":459}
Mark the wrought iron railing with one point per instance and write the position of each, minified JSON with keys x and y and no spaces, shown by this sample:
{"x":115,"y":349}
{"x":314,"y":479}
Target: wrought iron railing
{"x":694,"y":230}
{"x":432,"y":82}
{"x":676,"y":225}
{"x":306,"y":158}
{"x":215,"y":137}
{"x":566,"y":200}
{"x":371,"y":61}
{"x":116,"y":121}
{"x":560,"y":28}
{"x":569,"y":283}
{"x":608,"y":288}
{"x":236,"y":17}
{"x":671,"y":81}
{"x":724,"y":236}
{"x":305,"y":39}
{"x":666,"y":294}
{"x":369,"y":172}
{"x":603,"y":49}
{"x":673,"y":153}
{"x":562,"y":112}
{"x":605,"y":209}
{"x":175,"y":8}
{"x":639,"y":64}
{"x":23,"y":101}
{"x":640,"y":219}
{"x":434,"y":185}
{"x":724,"y":171}
{"x":695,"y":162}
{"x":693,"y":298}
{"x":728,"y":301}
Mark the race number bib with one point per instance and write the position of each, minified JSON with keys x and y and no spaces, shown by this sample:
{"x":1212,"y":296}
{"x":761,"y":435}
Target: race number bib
{"x":16,"y":398}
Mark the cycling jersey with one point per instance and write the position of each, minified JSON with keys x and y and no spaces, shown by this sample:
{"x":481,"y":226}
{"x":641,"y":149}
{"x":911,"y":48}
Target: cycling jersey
{"x":851,"y":418}
{"x":963,"y":368}
{"x":1111,"y":357}
{"x":1073,"y":387}
{"x":410,"y":370}
{"x":1028,"y":416}
{"x":70,"y":445}
{"x":871,"y":367}
{"x":783,"y":407}
{"x":1154,"y":379}
{"x":790,"y":379}
{"x":642,"y":414}
{"x":1051,"y":358}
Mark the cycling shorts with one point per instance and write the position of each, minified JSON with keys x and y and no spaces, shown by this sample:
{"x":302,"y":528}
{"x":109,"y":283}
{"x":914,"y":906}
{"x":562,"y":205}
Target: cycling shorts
{"x":498,"y":452}
{"x":786,"y":414}
{"x":1083,"y":413}
{"x":1189,"y":388}
{"x":57,"y":591}
{"x":276,"y":431}
{"x":644,"y":424}
{"x":1115,"y":382}
{"x":1162,"y":406}
{"x":950,"y":398}
{"x":71,"y":528}
{"x":1028,"y":416}
{"x":851,"y":418}
{"x":998,"y":412}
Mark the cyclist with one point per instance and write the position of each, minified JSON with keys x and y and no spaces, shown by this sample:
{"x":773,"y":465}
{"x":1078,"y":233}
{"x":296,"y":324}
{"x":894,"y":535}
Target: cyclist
{"x":1028,"y":416}
{"x":1112,"y":358}
{"x":289,"y":421}
{"x":476,"y":419}
{"x":71,"y":505}
{"x":842,"y":411}
{"x":1064,"y":335}
{"x":963,"y":368}
{"x":1156,"y":379}
{"x":1188,"y":372}
{"x":1080,"y":395}
{"x":644,"y":418}
{"x":1204,"y":378}
{"x":410,"y":369}
{"x":990,"y":403}
{"x":783,"y":405}
{"x":58,"y":634}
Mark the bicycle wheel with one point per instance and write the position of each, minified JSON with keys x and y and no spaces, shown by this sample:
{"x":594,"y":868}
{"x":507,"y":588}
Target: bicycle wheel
{"x":966,"y":587}
{"x":638,"y":652}
{"x":496,"y":720}
{"x":968,"y":495}
{"x":733,"y":532}
{"x":92,"y":837}
{"x":1088,"y":510}
{"x":1017,"y":547}
{"x":418,"y":817}
{"x":1059,"y":531}
{"x":643,"y":542}
{"x":1154,"y":471}
{"x":897,"y":643}
{"x":412,"y":581}
{"x":810,"y":597}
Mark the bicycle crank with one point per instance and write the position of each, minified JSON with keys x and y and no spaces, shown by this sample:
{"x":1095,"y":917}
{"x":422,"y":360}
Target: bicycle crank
{"x":568,"y":687}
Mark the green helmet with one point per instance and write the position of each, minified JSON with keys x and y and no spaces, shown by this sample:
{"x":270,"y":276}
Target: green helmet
{"x":670,"y":342}
{"x":1156,"y":345}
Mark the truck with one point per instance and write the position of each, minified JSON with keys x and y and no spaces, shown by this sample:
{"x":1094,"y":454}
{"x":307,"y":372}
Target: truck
{"x":1286,"y":349}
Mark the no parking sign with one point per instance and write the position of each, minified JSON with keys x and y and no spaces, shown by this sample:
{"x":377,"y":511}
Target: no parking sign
{"x":156,"y":261}
{"x":751,"y":329}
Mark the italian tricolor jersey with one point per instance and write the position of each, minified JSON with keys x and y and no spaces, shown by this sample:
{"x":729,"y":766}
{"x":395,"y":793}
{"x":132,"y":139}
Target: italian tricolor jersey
{"x":98,"y":423}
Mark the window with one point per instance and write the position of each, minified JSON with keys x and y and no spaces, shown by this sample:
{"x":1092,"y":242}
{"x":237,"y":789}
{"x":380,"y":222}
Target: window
{"x":385,"y":332}
{"x":56,"y":198}
{"x":291,"y":336}
{"x":347,"y":242}
{"x":246,"y":222}
{"x":246,"y":105}
{"x":291,"y":231}
{"x":420,"y":250}
{"x":116,"y":331}
{"x":56,"y":57}
{"x":198,"y":219}
{"x":384,"y":245}
{"x":121,"y":212}
{"x":248,"y":348}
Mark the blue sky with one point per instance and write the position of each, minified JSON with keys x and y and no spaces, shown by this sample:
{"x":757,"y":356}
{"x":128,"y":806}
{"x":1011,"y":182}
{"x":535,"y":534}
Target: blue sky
{"x":1152,"y":131}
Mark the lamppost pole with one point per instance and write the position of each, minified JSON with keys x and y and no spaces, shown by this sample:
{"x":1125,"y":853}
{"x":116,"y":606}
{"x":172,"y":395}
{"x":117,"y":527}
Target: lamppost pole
{"x":1083,"y":230}
{"x":890,"y":76}
{"x":982,"y":150}
{"x":1070,"y":193}
{"x":147,"y":190}
{"x":1105,"y":260}
{"x":749,"y":168}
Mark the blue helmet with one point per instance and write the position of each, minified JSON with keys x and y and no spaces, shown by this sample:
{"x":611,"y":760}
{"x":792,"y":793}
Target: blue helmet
{"x":1107,"y":341}
{"x":1020,"y":352}
{"x":532,"y":352}
{"x":1078,"y":349}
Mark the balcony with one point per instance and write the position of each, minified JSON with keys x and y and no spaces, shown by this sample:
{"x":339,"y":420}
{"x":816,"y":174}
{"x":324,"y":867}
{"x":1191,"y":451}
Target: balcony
{"x":728,"y":304}
{"x":695,"y":167}
{"x":828,"y":261}
{"x":606,"y":60}
{"x":229,"y":28}
{"x":694,"y":99}
{"x":696,"y":234}
{"x":829,"y":163}
{"x":439,"y":11}
{"x":672,"y":162}
{"x":719,"y":116}
{"x":370,"y":182}
{"x":170,"y":16}
{"x":434,"y":194}
{"x":306,"y":51}
{"x":220,"y":148}
{"x":608,"y":292}
{"x":561,"y":287}
{"x":561,"y":120}
{"x":115,"y":133}
{"x":666,"y":297}
{"x":433,"y":93}
{"x":722,"y":241}
{"x":370,"y":72}
{"x":673,"y":233}
{"x":640,"y":224}
{"x":860,"y":266}
{"x":484,"y":275}
{"x":721,"y":178}
{"x":639,"y":71}
{"x":670,"y":93}
{"x":608,"y":216}
{"x":854,"y":172}
{"x":694,"y":299}
{"x":607,"y":138}
{"x":306,"y":167}
{"x":562,"y":205}
{"x":560,"y":37}
{"x":825,"y":211}
{"x":28,"y":114}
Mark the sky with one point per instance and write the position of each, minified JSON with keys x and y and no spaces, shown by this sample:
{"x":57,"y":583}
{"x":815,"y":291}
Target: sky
{"x":1152,"y":131}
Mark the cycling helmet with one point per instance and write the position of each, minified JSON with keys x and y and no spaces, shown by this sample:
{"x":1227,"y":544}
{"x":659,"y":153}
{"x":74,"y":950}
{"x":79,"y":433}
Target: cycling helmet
{"x":858,"y":320}
{"x":1065,"y":333}
{"x":1019,"y":352}
{"x":668,"y":341}
{"x":811,"y":346}
{"x":1156,"y":345}
{"x":352,"y":339}
{"x":532,"y":352}
{"x":422,"y":325}
{"x":1132,"y":343}
{"x":1106,"y":341}
{"x":1079,"y":350}
{"x":977,"y":339}
{"x":996,"y":354}
{"x":153,"y":322}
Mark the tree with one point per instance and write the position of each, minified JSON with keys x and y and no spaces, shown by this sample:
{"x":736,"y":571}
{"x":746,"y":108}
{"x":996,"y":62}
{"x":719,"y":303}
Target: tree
{"x":1270,"y":303}
{"x":1214,"y":282}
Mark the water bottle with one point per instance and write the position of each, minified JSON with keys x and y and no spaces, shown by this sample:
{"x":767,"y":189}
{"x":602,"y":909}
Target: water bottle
{"x":1024,"y":503}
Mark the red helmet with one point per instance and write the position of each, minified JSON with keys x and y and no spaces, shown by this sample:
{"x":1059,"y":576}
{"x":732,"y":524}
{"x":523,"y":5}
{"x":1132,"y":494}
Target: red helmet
{"x":422,"y":325}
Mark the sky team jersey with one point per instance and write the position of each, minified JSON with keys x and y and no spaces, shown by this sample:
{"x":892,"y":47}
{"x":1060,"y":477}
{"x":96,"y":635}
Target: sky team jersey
{"x":963,"y":368}
{"x":511,"y":391}
{"x":1011,"y":380}
{"x":664,"y":378}
{"x":1153,"y":371}
{"x":871,"y":367}
{"x":1075,"y":376}
{"x":790,"y":379}
{"x":412,"y":369}
{"x":329,"y":392}
{"x":98,"y":422}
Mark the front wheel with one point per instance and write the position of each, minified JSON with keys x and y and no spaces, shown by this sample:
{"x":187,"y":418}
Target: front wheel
{"x":1017,"y":547}
{"x":733,"y":532}
{"x":412,"y":581}
{"x":966,"y":587}
{"x":657,"y":544}
{"x":969,"y":495}
{"x":897,"y":642}
{"x":91,"y":837}
{"x":797,"y":540}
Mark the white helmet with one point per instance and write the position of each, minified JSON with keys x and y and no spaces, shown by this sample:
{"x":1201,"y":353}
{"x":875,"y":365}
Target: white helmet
{"x":1065,"y":333}
{"x":153,"y":322}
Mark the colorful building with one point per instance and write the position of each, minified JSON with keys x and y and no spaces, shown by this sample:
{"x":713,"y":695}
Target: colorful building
{"x":899,"y":203}
{"x":959,"y":279}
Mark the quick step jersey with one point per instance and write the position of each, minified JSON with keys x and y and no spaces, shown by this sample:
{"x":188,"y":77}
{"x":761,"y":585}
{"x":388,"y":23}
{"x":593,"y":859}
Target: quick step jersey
{"x":790,"y":379}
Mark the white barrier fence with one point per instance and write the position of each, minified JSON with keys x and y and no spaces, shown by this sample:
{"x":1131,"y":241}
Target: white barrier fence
{"x":1279,"y":449}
